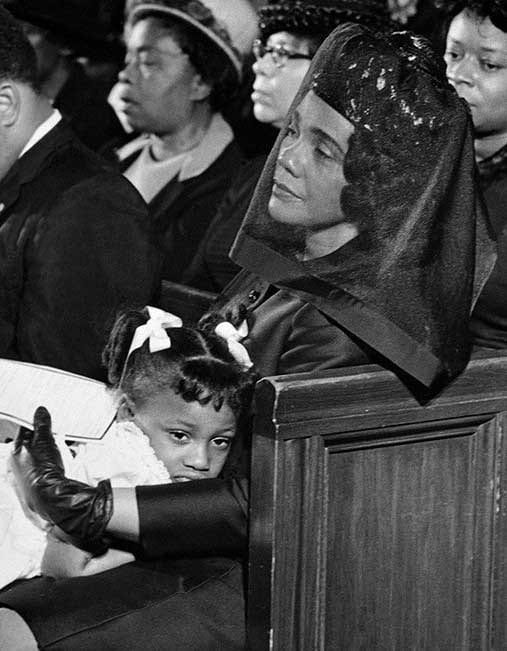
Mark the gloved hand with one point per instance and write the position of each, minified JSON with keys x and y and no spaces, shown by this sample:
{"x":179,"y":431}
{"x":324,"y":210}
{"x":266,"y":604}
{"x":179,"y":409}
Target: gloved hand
{"x":80,"y":511}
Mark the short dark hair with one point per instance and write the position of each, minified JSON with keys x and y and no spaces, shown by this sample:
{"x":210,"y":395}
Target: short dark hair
{"x":18,"y":61}
{"x":206,"y":57}
{"x":495,"y":10}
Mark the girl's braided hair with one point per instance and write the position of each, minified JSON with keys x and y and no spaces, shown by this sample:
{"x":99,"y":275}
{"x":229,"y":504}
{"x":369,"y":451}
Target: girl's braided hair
{"x":198,"y":366}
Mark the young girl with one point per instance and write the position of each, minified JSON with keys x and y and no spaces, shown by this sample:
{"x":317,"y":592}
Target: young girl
{"x":180,"y":394}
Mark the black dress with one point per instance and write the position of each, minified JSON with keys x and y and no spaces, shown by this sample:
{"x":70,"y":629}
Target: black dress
{"x":489,"y":319}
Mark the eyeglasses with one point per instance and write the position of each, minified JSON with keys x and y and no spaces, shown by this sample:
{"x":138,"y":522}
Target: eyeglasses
{"x":279,"y":53}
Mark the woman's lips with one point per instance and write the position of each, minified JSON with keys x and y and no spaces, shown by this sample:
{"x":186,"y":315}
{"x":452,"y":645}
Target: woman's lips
{"x":258,"y":97}
{"x":125,"y":103}
{"x":283,"y":190}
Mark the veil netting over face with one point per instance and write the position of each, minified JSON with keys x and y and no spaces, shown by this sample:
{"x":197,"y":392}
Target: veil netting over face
{"x":406,"y":284}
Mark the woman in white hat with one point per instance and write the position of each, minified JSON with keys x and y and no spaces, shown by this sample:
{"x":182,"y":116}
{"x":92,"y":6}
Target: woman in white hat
{"x":182,"y":66}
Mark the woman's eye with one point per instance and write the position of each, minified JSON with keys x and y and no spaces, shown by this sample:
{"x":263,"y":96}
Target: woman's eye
{"x":147,"y":63}
{"x":451,"y":55}
{"x":324,"y":152}
{"x":487,"y":65}
{"x":222,"y":443}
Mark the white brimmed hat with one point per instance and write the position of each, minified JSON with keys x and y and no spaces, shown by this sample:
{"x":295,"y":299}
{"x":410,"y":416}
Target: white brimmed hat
{"x":230,"y":24}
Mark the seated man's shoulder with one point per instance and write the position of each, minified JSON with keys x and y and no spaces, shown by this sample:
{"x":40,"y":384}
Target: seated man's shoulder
{"x":75,"y":174}
{"x":73,"y":163}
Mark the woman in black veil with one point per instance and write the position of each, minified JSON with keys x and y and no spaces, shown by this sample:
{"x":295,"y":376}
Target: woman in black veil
{"x":392,"y":266}
{"x":366,"y":224}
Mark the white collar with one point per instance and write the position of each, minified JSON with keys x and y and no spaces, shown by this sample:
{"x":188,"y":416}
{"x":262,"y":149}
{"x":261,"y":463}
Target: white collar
{"x":42,"y":130}
{"x":197,"y":161}
{"x":215,"y":140}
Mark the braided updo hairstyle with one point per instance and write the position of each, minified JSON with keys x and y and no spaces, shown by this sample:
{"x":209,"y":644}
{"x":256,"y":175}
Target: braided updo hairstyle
{"x":198,"y":366}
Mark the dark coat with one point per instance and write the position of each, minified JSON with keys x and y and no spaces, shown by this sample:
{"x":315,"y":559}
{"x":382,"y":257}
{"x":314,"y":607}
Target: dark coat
{"x":212,"y":269}
{"x":286,"y":334}
{"x":489,"y":319}
{"x":75,"y":246}
{"x":182,"y":210}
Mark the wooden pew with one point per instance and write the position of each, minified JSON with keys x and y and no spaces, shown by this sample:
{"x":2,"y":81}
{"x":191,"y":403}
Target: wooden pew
{"x":376,"y":522}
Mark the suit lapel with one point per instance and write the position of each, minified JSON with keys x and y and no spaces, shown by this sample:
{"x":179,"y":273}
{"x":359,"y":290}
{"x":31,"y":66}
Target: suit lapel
{"x":28,"y":166}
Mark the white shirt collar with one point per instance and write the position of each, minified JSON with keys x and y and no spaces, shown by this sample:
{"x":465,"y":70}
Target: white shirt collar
{"x":218,"y":136}
{"x":216,"y":139}
{"x":42,"y":130}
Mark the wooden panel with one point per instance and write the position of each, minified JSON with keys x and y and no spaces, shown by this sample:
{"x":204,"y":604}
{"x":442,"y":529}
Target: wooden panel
{"x":403,"y":518}
{"x":300,"y":530}
{"x":378,"y":522}
{"x":498,"y":587}
{"x":262,"y":503}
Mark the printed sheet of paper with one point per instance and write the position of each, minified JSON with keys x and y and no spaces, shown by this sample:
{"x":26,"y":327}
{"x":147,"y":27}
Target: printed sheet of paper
{"x":80,"y":408}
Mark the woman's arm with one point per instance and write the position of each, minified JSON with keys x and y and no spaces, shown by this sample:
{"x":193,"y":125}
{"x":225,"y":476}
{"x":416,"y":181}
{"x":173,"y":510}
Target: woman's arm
{"x":124,"y":522}
{"x":62,"y":560}
{"x":206,"y":517}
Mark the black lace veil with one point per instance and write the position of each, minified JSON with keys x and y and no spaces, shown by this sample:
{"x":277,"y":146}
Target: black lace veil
{"x":407,"y":283}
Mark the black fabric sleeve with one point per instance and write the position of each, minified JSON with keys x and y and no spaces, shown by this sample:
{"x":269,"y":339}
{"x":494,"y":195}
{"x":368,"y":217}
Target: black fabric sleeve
{"x":199,"y":518}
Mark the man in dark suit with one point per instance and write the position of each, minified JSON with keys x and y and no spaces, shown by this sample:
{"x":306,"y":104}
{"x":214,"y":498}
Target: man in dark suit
{"x":75,"y":240}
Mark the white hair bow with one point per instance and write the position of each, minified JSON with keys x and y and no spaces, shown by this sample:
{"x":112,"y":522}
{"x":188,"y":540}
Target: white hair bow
{"x":233,"y":337}
{"x":154,"y":330}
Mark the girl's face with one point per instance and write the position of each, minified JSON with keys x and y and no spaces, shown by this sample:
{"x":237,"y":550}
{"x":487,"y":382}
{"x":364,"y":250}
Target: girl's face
{"x":476,"y":58}
{"x":191,"y":440}
{"x":275,"y":87}
{"x":309,"y":179}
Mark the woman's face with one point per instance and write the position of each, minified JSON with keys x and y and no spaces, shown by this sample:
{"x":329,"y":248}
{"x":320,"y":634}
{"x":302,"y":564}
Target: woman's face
{"x":159,"y":85}
{"x":476,"y":58}
{"x":191,"y":440}
{"x":309,"y":179}
{"x":275,"y":87}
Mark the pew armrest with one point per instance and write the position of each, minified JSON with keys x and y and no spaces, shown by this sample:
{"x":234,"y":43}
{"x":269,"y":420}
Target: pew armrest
{"x":186,"y":302}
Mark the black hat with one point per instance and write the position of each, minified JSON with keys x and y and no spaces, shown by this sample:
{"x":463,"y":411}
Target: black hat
{"x":320,"y":16}
{"x":88,"y":27}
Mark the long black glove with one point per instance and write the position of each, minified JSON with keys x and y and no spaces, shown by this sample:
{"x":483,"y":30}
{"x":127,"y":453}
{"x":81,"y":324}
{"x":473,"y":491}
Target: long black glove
{"x":80,"y":511}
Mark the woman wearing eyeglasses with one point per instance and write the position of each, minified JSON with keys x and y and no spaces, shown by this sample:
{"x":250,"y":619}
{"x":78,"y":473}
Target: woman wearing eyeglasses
{"x":290,"y":34}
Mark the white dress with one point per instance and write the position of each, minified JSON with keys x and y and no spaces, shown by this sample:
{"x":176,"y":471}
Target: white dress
{"x":124,"y":455}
